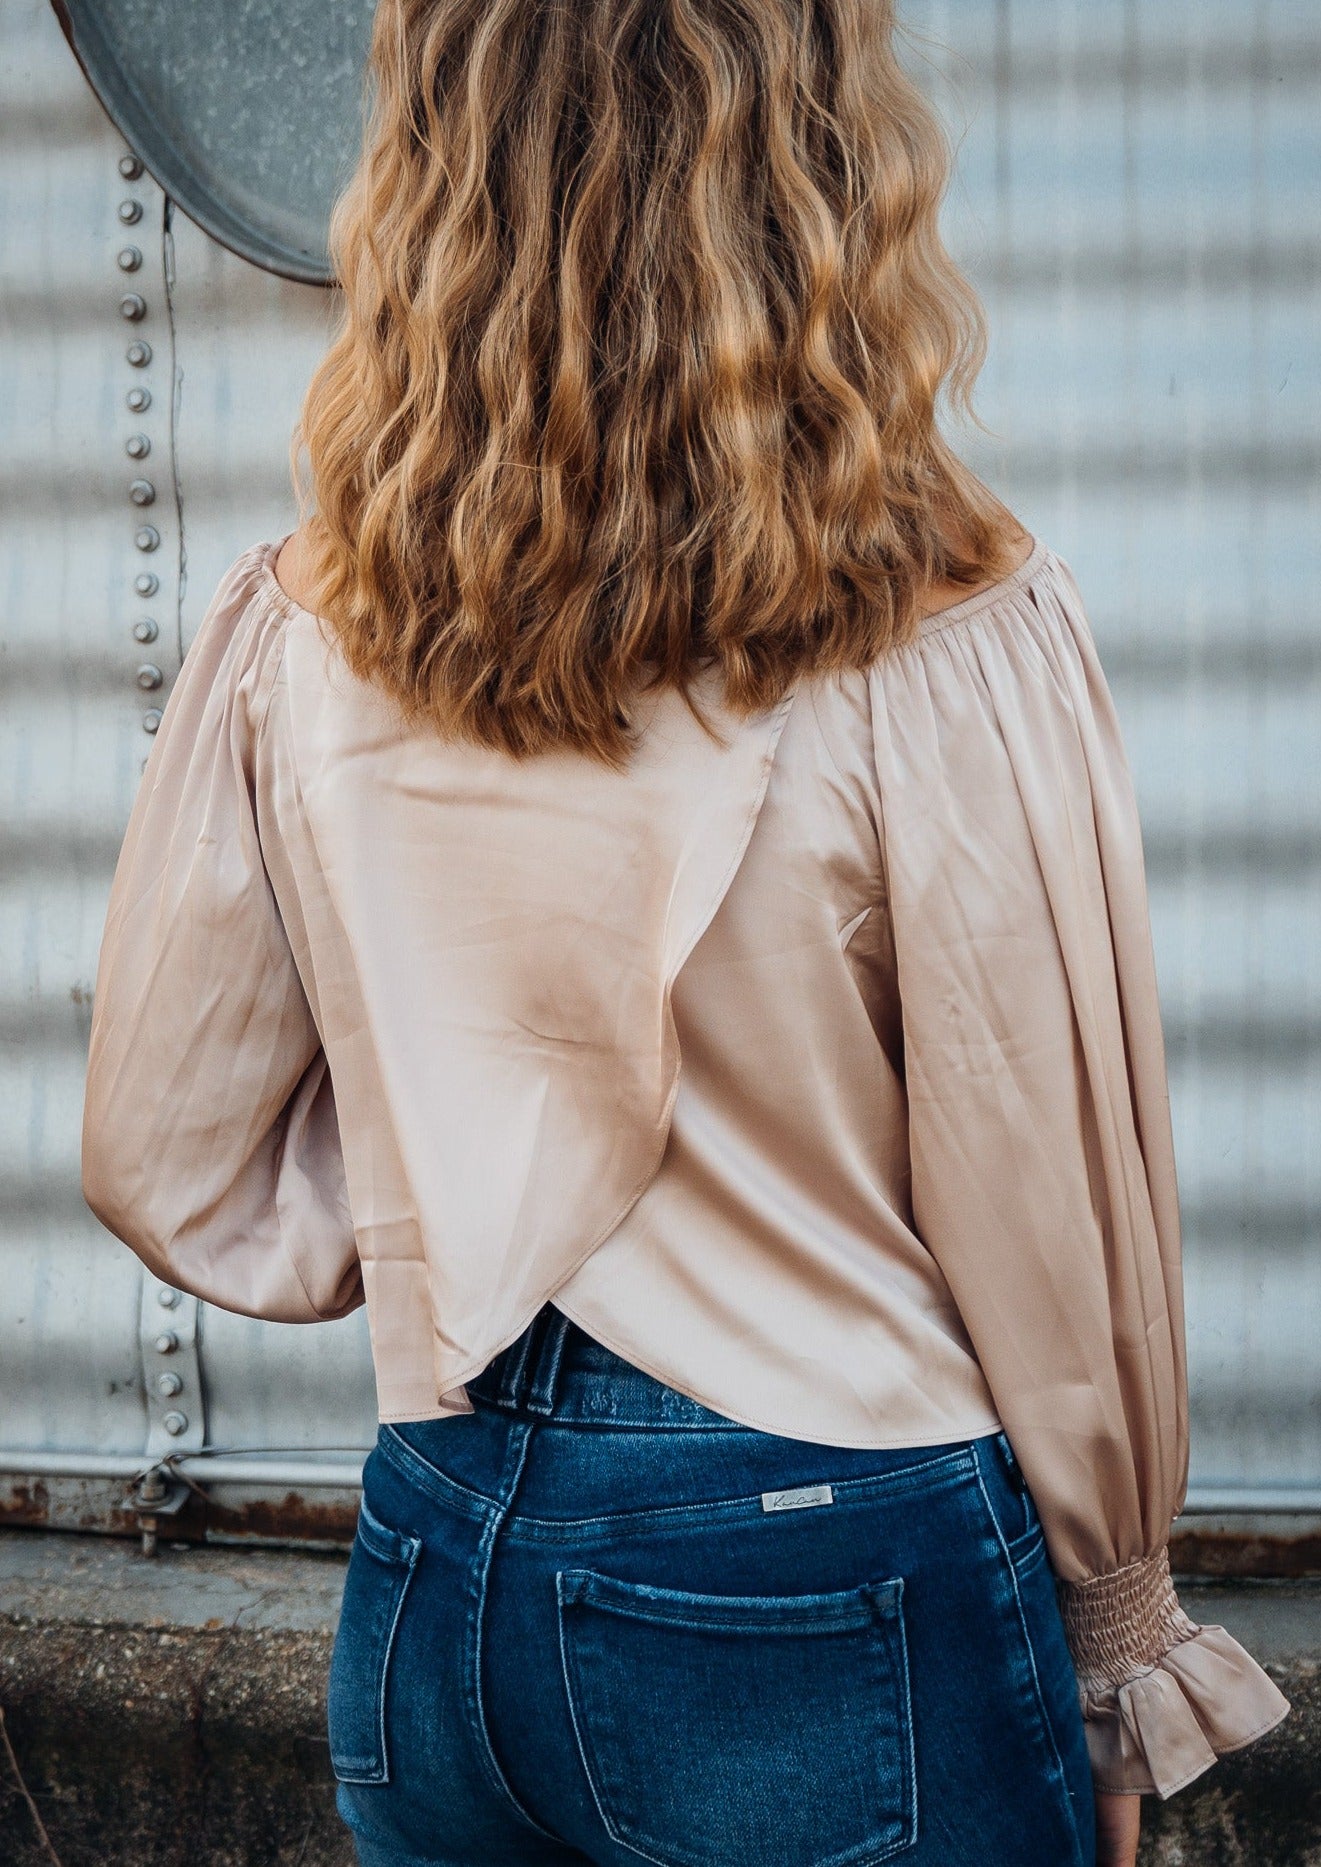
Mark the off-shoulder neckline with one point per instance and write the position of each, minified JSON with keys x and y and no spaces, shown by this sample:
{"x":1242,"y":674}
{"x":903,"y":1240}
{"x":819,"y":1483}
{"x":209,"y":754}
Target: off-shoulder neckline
{"x":993,"y":593}
{"x":938,"y":619}
{"x":271,"y":584}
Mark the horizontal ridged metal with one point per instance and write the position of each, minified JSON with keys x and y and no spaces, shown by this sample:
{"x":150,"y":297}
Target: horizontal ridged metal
{"x":1137,"y":199}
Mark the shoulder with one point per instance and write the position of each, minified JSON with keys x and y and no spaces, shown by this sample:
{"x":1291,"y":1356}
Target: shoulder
{"x":292,"y":567}
{"x":1019,"y":545}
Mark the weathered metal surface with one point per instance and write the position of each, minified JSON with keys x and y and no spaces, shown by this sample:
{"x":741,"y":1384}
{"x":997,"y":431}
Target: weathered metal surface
{"x":221,"y":351}
{"x":1239,"y":1543}
{"x":249,"y":116}
{"x":1138,"y":200}
{"x":229,"y":1513}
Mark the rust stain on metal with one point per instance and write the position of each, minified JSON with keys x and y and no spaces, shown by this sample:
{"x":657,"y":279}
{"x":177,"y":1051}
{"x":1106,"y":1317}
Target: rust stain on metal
{"x":294,"y":1518}
{"x":1236,"y":1552}
{"x":329,"y":1521}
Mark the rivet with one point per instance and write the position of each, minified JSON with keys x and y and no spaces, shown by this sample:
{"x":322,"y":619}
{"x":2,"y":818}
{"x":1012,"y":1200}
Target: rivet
{"x":130,"y":168}
{"x":142,"y":492}
{"x":133,"y":306}
{"x":149,"y":675}
{"x":169,"y":1384}
{"x":138,"y":400}
{"x":175,"y":1423}
{"x":166,"y":1342}
{"x":130,"y":212}
{"x":137,"y":447}
{"x":129,"y":258}
{"x":147,"y":583}
{"x":145,"y":631}
{"x":151,"y":719}
{"x":146,"y":538}
{"x":139,"y":354}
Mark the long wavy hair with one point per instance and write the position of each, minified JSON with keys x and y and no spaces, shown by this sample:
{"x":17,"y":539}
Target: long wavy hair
{"x":645,"y":315}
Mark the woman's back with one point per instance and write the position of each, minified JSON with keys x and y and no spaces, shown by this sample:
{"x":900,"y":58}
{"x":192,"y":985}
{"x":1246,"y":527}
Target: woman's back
{"x":815,"y":1065}
{"x":815,"y":1068}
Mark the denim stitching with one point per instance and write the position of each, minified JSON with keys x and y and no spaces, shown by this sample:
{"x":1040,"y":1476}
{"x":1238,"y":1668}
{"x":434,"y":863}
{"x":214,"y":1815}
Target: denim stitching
{"x":929,"y":1475}
{"x":911,"y":1832}
{"x":572,"y":1701}
{"x":1043,"y":1715}
{"x":409,"y":1463}
{"x":417,"y":1470}
{"x":569,"y":1590}
{"x":405,"y":1558}
{"x":520,"y":1441}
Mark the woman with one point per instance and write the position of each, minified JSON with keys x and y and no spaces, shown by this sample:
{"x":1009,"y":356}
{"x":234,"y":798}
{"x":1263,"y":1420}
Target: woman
{"x":643,"y":889}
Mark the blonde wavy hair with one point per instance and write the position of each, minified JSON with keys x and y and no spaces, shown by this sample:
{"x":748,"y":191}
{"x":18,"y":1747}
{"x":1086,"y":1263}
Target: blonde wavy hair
{"x":645,"y":316}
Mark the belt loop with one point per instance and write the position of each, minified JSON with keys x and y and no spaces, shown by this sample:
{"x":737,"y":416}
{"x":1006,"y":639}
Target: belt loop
{"x":511,"y":1381}
{"x":544,"y":1378}
{"x":1010,"y":1459}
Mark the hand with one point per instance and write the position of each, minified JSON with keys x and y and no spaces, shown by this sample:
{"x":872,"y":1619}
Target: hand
{"x":1118,"y":1819}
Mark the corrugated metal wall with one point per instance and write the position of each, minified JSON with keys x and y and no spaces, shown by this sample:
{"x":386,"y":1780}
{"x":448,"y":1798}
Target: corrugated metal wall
{"x":1138,"y":200}
{"x":230,"y":351}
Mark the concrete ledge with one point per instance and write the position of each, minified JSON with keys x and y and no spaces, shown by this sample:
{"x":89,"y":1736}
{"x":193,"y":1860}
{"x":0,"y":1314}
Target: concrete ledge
{"x":168,"y":1712}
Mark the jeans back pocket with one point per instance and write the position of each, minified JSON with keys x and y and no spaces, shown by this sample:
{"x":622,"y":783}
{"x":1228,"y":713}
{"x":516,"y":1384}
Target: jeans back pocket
{"x":719,"y":1728}
{"x":380,"y":1567}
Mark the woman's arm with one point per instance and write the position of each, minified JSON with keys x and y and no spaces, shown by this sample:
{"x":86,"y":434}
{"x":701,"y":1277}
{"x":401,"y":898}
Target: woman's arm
{"x":209,"y":1143}
{"x":1043,"y":1174}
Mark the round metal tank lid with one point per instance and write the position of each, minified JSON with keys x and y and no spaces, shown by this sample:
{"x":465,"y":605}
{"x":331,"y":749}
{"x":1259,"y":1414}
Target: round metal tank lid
{"x":249,"y":114}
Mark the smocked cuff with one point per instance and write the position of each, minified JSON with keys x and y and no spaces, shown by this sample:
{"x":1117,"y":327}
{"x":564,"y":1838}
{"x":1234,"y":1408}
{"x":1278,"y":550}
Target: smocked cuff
{"x":1162,"y":1696}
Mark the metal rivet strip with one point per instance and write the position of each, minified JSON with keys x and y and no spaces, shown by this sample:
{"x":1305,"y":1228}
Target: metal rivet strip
{"x":171,"y":1368}
{"x":141,"y":492}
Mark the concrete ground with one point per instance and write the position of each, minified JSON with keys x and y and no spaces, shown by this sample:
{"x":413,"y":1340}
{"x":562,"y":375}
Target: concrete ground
{"x":167,"y":1712}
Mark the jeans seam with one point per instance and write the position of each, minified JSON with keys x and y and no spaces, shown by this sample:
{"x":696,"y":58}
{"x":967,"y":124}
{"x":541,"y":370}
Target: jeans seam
{"x":570,"y":1700}
{"x":521,"y":1440}
{"x":418,"y":1471}
{"x":1042,"y":1713}
{"x":406,"y":1561}
{"x":921,"y":1477}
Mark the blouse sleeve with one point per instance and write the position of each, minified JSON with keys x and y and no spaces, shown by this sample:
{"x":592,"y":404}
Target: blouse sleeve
{"x":1043,"y":1172}
{"x":209,"y":1140}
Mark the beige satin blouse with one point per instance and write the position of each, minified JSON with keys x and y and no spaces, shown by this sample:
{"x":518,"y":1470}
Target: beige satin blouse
{"x":384,"y":1018}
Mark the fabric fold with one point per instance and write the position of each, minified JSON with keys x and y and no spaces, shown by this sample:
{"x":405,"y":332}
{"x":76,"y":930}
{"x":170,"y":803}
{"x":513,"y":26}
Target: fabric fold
{"x":816,"y":1065}
{"x":314,"y":903}
{"x":1204,"y":1697}
{"x":1042,"y":1151}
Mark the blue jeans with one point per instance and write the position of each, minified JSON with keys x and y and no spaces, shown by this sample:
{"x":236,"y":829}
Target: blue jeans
{"x":594,"y":1621}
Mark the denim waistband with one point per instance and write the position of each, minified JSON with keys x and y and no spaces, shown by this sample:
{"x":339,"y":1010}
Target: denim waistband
{"x":529,"y":1375}
{"x":555,"y":1369}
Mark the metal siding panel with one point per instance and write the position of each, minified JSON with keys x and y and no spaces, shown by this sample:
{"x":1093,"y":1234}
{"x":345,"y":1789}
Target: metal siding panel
{"x":72,"y":1373}
{"x":1137,"y":200}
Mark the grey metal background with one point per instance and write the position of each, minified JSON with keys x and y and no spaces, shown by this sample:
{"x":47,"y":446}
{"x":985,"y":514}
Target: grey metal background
{"x":247,"y":113}
{"x":1139,"y":198}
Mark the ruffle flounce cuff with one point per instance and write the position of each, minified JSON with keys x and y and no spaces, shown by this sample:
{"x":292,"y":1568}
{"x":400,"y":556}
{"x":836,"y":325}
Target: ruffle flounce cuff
{"x":1162,"y":1696}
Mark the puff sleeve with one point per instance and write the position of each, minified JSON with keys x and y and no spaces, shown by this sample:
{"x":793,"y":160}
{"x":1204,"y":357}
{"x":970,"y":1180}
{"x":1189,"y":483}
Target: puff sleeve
{"x":1043,"y":1171}
{"x":209,"y":1139}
